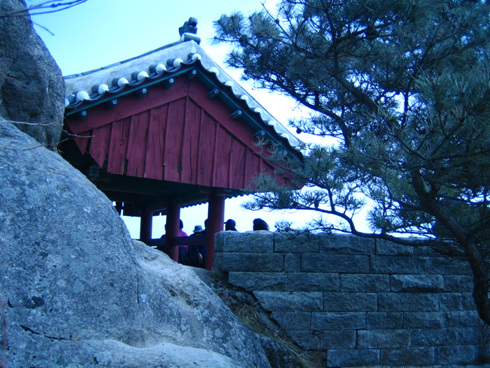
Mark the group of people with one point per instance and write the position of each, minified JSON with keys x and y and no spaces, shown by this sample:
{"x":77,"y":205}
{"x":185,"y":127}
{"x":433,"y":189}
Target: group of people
{"x":195,"y":255}
{"x":258,"y":224}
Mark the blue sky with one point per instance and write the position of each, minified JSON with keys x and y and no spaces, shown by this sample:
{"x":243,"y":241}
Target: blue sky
{"x":100,"y":32}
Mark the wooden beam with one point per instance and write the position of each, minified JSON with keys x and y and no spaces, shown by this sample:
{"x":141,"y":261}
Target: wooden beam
{"x":172,"y":228}
{"x":160,"y":243}
{"x":216,"y":219}
{"x":145,"y":226}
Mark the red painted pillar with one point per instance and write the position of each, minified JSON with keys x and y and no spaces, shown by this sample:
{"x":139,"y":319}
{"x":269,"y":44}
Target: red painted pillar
{"x":145,"y":225}
{"x":172,"y":229}
{"x":216,"y":219}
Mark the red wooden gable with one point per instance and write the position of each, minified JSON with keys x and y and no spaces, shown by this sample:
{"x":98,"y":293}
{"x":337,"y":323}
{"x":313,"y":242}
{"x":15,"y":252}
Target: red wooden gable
{"x":178,"y":134}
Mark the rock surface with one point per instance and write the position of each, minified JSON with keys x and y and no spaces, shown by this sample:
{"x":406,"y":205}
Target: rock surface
{"x":31,"y":84}
{"x":77,"y":291}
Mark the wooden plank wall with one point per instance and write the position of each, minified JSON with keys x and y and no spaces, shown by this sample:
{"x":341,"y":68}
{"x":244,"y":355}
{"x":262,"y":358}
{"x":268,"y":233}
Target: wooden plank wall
{"x":177,"y":134}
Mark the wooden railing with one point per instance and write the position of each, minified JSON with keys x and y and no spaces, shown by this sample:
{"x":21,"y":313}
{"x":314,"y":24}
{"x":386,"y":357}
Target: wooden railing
{"x":161,"y":244}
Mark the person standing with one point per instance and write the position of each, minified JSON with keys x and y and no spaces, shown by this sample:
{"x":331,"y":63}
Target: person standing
{"x":183,"y":249}
{"x":197,"y":252}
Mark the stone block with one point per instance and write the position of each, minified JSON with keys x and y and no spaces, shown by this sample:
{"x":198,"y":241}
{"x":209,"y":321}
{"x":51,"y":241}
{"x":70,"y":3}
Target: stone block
{"x":350,"y":302}
{"x":468,"y":301}
{"x":467,"y":354}
{"x":450,"y":266}
{"x":384,"y":320}
{"x":290,"y":301}
{"x":248,"y":242}
{"x":353,"y":357}
{"x":323,"y":340}
{"x":302,"y":281}
{"x":338,"y":321}
{"x":292,"y":262}
{"x":346,"y":244}
{"x":417,"y":283}
{"x":451,"y":301}
{"x":218,"y":263}
{"x":296,"y":242}
{"x":331,"y":263}
{"x":408,"y":302}
{"x":219,"y":240}
{"x":253,"y":281}
{"x":367,"y":283}
{"x":458,"y":283}
{"x":456,"y":301}
{"x":425,"y":251}
{"x":400,"y":265}
{"x":386,"y":248}
{"x":293,"y":321}
{"x":466,"y":318}
{"x":249,"y":262}
{"x":374,"y":339}
{"x":430,"y":320}
{"x":408,"y":357}
{"x":444,"y":337}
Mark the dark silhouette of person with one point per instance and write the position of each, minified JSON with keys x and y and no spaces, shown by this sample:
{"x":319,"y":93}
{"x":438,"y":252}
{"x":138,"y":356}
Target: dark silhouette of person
{"x":260,"y":224}
{"x":183,"y":249}
{"x":197,"y":253}
{"x":230,"y":225}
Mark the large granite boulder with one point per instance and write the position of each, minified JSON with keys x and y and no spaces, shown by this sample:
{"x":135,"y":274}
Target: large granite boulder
{"x":79,"y":292}
{"x":31,"y":84}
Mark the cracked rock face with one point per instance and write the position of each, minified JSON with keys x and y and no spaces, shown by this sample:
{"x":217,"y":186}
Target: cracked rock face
{"x":77,"y":291}
{"x":31,"y":84}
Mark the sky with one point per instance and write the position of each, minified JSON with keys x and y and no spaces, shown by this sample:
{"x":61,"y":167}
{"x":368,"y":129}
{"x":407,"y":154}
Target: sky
{"x":101,"y":32}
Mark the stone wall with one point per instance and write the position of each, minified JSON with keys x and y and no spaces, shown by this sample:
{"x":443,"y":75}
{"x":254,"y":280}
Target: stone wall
{"x":364,"y":302}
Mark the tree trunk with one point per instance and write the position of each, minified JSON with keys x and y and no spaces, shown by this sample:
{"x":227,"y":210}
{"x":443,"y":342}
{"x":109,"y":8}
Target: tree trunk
{"x":480,"y":281}
{"x":475,"y":258}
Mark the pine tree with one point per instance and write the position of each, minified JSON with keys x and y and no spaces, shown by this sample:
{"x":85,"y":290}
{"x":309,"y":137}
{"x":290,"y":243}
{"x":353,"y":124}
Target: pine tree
{"x":404,"y":88}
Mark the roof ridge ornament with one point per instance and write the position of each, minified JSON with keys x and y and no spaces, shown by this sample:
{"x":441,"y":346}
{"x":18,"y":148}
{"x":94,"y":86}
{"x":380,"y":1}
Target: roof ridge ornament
{"x":189,"y":30}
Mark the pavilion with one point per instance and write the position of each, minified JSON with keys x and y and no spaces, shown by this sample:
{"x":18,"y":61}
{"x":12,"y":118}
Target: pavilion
{"x":169,"y":129}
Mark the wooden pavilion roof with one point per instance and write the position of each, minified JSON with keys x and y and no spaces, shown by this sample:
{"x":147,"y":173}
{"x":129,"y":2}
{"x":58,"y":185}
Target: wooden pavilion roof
{"x":168,"y":124}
